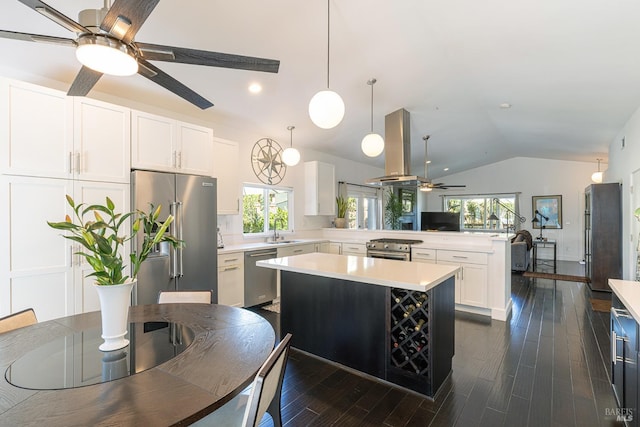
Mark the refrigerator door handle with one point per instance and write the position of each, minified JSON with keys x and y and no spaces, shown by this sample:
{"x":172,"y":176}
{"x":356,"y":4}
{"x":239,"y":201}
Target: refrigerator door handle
{"x":173,"y":265}
{"x":178,"y":221}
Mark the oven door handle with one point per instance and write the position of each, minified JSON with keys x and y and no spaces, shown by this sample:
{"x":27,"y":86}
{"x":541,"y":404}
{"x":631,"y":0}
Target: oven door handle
{"x":388,"y":256}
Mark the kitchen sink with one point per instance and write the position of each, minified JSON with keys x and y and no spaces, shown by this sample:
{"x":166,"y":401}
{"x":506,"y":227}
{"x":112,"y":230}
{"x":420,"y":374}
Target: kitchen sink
{"x":279,"y":242}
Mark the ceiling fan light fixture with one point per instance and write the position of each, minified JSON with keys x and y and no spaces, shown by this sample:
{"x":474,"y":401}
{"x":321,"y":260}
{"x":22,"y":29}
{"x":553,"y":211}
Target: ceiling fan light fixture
{"x":291,"y":156}
{"x":106,"y":55}
{"x":425,"y":188}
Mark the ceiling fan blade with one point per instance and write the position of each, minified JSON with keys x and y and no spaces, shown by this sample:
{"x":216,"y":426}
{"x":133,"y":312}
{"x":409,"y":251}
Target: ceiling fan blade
{"x":57,"y":17}
{"x":84,"y":81}
{"x":27,"y":37}
{"x":446,"y":187}
{"x":125,"y":17}
{"x":158,"y":76}
{"x":156,"y":52}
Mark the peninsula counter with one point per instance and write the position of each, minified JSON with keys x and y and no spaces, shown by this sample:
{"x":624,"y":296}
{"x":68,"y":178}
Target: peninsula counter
{"x":389,"y":319}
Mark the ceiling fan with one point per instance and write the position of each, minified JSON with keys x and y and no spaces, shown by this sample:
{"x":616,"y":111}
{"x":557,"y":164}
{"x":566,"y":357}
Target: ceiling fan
{"x":105,"y":45}
{"x":428,"y":186}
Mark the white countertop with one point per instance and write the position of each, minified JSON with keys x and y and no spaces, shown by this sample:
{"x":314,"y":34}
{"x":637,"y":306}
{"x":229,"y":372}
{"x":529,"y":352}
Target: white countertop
{"x":397,"y":274}
{"x":629,"y":293}
{"x":264,"y":245}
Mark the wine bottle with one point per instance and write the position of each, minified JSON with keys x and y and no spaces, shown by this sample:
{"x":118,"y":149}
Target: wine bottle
{"x":420,"y":300}
{"x":420,"y":324}
{"x":410,"y":309}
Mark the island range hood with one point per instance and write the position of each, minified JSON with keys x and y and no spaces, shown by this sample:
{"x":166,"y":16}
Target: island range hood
{"x":397,"y":152}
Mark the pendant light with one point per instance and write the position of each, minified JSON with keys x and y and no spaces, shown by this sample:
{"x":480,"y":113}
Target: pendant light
{"x":326,"y":108}
{"x":372,"y":144}
{"x":291,"y":156}
{"x":597,"y":176}
{"x":426,"y":186}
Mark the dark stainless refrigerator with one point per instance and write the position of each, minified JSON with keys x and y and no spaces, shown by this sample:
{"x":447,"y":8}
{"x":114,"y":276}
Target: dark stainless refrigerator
{"x":191,"y":200}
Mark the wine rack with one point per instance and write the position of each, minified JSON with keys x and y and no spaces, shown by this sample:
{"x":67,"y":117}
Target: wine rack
{"x":410,"y":331}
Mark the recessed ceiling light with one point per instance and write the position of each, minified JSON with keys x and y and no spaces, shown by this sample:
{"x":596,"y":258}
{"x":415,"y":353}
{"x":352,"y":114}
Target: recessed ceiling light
{"x":255,"y":88}
{"x":446,"y":169}
{"x":505,"y":105}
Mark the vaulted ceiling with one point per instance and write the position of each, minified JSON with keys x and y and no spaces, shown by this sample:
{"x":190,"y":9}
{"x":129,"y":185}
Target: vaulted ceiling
{"x":570,"y":70}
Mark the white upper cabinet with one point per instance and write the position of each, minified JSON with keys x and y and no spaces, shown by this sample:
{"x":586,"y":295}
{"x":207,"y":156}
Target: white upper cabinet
{"x":195,"y":148}
{"x":163,"y":144}
{"x":102,"y":141}
{"x":36,"y":130}
{"x":320,"y":188}
{"x":226,"y":155}
{"x":46,"y":133}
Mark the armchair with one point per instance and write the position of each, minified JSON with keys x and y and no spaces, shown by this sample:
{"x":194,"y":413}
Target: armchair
{"x":521,"y":245}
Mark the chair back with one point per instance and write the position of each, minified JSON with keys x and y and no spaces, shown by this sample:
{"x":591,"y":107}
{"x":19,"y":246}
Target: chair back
{"x":18,"y":320}
{"x":267,"y":386}
{"x":202,"y":297}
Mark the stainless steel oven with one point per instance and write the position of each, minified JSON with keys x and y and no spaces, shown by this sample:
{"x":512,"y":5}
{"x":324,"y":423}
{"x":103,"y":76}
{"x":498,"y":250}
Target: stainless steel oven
{"x":397,"y":249}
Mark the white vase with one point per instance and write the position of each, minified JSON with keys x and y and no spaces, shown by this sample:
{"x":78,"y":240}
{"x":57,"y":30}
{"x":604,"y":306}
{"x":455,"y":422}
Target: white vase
{"x":114,"y":307}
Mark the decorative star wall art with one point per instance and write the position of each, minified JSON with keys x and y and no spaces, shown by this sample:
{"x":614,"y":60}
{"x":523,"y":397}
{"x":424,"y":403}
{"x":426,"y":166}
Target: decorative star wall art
{"x":266,"y":160}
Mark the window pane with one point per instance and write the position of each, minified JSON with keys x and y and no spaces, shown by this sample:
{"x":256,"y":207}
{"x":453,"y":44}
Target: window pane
{"x":279,"y":209}
{"x":474,"y":213}
{"x":252,"y":210}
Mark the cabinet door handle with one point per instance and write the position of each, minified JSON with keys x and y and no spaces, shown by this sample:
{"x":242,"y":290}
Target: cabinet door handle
{"x":179,"y":159}
{"x":231,"y":268}
{"x":461,"y":272}
{"x":460,"y":257}
{"x":614,"y":339}
{"x":297,"y":251}
{"x":423,"y":254}
{"x":174,"y":162}
{"x":231,"y":260}
{"x":70,"y":162}
{"x":78,"y":165}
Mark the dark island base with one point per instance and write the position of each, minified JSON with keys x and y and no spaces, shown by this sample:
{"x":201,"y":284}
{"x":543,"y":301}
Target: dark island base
{"x":404,"y":337}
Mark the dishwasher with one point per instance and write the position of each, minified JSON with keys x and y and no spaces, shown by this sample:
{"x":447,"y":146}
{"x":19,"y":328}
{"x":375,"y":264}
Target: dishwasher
{"x":260,"y":284}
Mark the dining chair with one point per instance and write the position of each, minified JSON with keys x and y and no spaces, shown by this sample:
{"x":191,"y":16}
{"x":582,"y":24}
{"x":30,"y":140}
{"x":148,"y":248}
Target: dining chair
{"x":18,"y":320}
{"x":202,"y":297}
{"x":248,"y":408}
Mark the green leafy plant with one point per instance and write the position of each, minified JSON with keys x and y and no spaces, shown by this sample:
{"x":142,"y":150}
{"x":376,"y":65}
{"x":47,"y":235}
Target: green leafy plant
{"x":343,"y":206}
{"x":393,"y":210}
{"x":102,"y":243}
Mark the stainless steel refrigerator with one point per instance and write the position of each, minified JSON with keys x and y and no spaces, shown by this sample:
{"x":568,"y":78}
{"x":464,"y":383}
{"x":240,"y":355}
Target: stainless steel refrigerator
{"x":191,"y":200}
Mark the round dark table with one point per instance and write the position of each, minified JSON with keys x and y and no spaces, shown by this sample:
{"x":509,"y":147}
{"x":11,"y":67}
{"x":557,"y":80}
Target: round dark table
{"x":229,"y":346}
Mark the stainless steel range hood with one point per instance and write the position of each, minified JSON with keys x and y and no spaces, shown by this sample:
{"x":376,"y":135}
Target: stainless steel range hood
{"x":397,"y":152}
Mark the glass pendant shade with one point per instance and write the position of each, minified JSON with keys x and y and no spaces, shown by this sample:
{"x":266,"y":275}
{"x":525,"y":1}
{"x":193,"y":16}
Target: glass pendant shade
{"x":596,"y":177}
{"x":106,"y":55}
{"x":290,"y":156}
{"x":326,"y":109}
{"x":372,"y":144}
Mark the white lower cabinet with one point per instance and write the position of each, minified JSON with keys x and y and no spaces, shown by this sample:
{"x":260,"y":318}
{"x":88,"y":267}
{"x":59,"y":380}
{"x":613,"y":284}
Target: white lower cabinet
{"x":358,"y":249}
{"x":471,"y":280}
{"x":296,"y":250}
{"x":231,"y":279}
{"x":335,"y":248}
{"x":423,"y":255}
{"x":322,"y":247}
{"x":43,"y":272}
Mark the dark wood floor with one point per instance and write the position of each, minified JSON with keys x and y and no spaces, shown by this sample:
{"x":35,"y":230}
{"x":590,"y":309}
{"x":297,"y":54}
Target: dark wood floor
{"x":547,"y":366}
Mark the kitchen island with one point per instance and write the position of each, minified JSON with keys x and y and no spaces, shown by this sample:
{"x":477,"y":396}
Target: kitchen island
{"x":389,"y":319}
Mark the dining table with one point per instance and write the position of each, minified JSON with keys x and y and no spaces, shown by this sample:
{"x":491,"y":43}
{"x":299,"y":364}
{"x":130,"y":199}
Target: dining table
{"x":183,"y":362}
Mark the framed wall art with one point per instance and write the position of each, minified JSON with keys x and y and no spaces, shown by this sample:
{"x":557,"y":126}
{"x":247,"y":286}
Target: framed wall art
{"x":548,"y":211}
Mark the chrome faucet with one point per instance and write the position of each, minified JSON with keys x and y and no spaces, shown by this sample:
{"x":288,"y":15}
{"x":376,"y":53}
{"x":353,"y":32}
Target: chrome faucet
{"x":275,"y":230}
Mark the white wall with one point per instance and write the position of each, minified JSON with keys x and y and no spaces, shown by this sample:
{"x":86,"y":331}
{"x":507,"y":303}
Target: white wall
{"x":532,"y":177}
{"x":623,"y":162}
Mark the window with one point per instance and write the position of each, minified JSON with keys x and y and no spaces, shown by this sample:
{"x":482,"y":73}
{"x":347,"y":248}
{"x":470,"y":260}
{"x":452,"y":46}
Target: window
{"x":264,"y":208}
{"x":476,"y":211}
{"x":364,"y":207}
